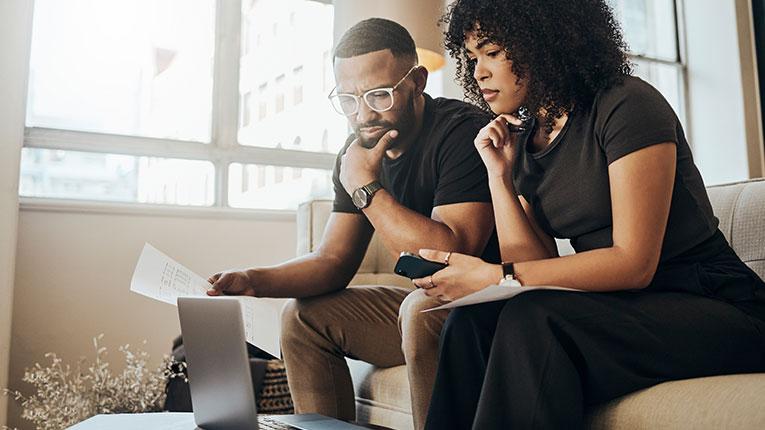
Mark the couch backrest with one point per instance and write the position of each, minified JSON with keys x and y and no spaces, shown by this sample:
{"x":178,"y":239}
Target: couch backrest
{"x":378,"y":263}
{"x":739,"y":206}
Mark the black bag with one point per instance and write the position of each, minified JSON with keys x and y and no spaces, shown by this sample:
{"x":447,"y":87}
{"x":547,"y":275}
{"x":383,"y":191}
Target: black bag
{"x":269,"y":380}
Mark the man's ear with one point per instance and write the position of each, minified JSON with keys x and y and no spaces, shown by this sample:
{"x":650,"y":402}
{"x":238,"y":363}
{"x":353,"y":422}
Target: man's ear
{"x":420,"y":78}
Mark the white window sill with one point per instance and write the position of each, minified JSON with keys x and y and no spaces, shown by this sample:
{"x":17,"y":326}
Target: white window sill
{"x":33,"y":204}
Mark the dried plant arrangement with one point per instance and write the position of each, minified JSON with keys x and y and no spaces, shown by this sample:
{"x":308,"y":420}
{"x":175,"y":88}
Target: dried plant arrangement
{"x":65,"y":396}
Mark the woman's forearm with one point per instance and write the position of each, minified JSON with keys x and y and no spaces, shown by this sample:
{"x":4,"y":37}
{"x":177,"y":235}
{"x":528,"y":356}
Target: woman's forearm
{"x":517,"y":239}
{"x":604,"y":269}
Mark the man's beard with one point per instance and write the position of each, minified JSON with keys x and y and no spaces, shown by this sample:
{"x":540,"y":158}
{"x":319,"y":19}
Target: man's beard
{"x":404,"y":125}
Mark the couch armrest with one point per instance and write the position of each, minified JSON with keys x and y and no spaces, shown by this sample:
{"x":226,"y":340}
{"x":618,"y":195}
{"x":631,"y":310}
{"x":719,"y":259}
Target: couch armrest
{"x":312,"y":217}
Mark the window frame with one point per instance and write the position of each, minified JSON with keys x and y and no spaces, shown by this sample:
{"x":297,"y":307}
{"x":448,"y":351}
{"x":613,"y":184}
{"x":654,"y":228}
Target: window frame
{"x":223,"y":148}
{"x":679,"y":64}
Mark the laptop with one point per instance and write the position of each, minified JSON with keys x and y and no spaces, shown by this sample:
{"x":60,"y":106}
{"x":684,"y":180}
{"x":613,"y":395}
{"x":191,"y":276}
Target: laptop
{"x":222,"y":394}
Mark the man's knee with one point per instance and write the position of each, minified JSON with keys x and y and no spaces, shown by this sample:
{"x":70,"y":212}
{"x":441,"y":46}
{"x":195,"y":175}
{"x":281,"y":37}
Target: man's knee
{"x":315,"y":316}
{"x":291,"y":323}
{"x":410,"y":315}
{"x":419,"y":330}
{"x":299,"y":316}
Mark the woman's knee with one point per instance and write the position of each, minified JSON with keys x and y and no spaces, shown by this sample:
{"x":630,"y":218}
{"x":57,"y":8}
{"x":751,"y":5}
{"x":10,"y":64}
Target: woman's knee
{"x":531,"y":313}
{"x":468,"y":320}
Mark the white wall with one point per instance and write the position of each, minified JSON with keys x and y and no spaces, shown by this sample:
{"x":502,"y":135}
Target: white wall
{"x":15,"y":29}
{"x":74,"y":267}
{"x":719,"y":49}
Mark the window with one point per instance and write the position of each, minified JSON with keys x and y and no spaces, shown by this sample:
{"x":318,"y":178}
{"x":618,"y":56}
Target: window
{"x":275,"y":187}
{"x":247,"y":109}
{"x":138,"y":68}
{"x":156,"y":101}
{"x":651,"y":30}
{"x":262,"y":103}
{"x":279,"y":98}
{"x":149,"y":101}
{"x":297,"y":90}
{"x":118,"y":178}
{"x":328,"y":75}
{"x":297,"y":66}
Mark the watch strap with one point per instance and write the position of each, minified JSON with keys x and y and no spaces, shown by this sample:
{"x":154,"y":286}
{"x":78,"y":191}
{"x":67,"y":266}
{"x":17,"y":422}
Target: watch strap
{"x":372,"y":187}
{"x":508,"y":270}
{"x":367,"y":191}
{"x":508,"y":275}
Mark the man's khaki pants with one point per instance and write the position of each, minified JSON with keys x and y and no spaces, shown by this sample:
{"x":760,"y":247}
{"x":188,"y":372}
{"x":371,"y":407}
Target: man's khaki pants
{"x":377,"y":324}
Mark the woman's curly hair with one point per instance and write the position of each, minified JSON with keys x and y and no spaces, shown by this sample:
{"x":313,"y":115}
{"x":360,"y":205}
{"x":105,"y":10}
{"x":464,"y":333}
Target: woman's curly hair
{"x":567,"y":49}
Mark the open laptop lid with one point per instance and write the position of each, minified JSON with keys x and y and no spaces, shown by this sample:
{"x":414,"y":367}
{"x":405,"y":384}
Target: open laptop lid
{"x":221,"y":386}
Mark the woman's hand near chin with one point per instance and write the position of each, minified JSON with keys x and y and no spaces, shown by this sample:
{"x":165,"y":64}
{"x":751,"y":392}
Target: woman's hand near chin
{"x":463,"y":275}
{"x":496,"y":143}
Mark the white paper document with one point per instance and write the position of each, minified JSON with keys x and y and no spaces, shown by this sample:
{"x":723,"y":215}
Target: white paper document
{"x":159,"y":277}
{"x":494,"y":293}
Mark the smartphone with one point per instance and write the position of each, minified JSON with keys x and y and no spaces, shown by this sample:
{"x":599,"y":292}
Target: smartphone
{"x":413,"y":266}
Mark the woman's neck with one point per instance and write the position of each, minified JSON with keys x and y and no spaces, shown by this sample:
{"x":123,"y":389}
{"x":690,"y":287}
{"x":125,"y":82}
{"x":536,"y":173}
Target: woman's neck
{"x":542,"y":138}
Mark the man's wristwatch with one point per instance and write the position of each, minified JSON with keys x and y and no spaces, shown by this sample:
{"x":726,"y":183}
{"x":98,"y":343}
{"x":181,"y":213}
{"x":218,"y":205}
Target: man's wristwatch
{"x":362,"y":197}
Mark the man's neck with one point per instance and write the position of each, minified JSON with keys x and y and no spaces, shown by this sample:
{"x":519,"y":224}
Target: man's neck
{"x":406,"y":143}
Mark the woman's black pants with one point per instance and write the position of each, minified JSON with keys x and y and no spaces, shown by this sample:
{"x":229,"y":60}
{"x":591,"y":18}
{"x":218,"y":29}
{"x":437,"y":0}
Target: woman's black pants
{"x":539,"y":359}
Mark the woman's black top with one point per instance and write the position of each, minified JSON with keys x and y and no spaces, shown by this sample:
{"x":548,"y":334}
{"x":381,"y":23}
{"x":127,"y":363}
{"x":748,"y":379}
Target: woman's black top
{"x":567,"y":185}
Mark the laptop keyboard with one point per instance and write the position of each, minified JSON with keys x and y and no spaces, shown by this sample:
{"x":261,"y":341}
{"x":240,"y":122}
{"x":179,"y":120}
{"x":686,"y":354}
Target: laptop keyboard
{"x":268,"y":423}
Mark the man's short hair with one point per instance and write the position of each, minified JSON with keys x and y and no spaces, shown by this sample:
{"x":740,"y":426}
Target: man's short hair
{"x":376,"y":34}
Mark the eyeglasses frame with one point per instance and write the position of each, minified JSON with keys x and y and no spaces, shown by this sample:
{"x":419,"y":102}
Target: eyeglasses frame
{"x":363,"y":96}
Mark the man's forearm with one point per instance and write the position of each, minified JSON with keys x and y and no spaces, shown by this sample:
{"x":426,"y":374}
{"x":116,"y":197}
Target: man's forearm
{"x":402,"y":229}
{"x":309,"y":275}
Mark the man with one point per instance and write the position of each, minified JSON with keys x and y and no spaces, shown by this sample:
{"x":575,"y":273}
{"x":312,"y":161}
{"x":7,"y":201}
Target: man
{"x":410,"y":173}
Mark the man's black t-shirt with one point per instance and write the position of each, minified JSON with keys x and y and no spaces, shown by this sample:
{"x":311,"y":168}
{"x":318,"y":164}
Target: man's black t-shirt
{"x":441,"y":167}
{"x":567,"y":183}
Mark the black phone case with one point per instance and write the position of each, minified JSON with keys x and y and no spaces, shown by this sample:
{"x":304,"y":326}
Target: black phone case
{"x":414,"y":267}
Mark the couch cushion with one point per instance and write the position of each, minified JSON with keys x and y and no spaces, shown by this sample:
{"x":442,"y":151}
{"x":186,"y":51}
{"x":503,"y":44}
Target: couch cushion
{"x":719,"y":402}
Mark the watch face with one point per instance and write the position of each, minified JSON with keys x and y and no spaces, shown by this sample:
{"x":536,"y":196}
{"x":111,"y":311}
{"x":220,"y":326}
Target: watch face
{"x":360,"y":198}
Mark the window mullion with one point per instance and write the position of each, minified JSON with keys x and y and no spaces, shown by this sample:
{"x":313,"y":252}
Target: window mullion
{"x":67,"y":140}
{"x":70,"y":140}
{"x":649,"y":59}
{"x":225,"y":115}
{"x":682,"y":57}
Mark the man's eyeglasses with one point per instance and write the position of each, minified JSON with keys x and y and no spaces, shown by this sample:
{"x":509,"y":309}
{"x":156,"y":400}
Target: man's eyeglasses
{"x":378,"y":99}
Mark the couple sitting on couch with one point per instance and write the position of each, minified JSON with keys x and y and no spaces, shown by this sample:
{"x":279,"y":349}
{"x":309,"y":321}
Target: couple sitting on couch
{"x":575,"y":147}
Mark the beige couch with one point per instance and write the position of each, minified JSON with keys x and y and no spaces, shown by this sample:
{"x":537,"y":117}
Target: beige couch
{"x":723,"y":402}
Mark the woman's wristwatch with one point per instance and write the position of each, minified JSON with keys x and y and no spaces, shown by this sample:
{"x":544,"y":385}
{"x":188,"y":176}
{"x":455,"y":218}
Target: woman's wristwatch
{"x":508,"y":275}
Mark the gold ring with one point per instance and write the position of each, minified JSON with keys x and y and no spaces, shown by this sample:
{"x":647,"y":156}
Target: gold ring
{"x":430,"y":280}
{"x":446,"y":260}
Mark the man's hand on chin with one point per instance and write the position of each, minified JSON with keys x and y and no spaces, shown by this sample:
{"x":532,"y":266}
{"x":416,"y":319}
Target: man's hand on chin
{"x":359,"y":166}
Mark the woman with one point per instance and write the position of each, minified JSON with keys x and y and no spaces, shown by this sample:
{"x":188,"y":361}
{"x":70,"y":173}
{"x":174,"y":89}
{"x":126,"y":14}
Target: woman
{"x":603,"y":161}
